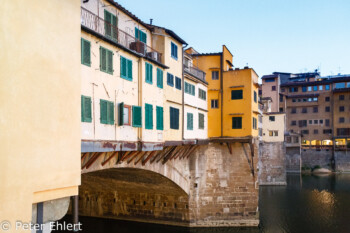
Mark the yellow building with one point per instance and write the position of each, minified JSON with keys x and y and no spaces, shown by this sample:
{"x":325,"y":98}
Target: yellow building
{"x":40,"y":108}
{"x":232,"y":95}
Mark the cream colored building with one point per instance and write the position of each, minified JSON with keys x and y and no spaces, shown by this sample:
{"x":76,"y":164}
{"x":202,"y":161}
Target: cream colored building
{"x":40,"y":86}
{"x":170,"y":45}
{"x":273,"y":126}
{"x":123,"y":79}
{"x":195,"y":101}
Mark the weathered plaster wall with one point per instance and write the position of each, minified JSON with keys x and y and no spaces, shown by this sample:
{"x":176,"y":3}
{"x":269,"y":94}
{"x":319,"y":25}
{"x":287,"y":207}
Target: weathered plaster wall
{"x":293,"y":159}
{"x":272,"y":164}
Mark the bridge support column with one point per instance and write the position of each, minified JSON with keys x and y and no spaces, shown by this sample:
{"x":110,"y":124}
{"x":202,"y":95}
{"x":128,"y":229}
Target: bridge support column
{"x":224,"y":190}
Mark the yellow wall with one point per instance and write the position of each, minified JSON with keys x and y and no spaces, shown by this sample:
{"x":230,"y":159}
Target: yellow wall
{"x":241,"y":108}
{"x":39,"y":104}
{"x":209,"y":64}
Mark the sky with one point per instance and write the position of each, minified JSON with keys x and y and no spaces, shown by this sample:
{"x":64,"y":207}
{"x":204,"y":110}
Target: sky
{"x":269,"y":35}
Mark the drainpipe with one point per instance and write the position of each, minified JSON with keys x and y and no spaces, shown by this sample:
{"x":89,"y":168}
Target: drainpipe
{"x":333,"y":140}
{"x":183,"y":94}
{"x":139,"y":101}
{"x":222,"y":92}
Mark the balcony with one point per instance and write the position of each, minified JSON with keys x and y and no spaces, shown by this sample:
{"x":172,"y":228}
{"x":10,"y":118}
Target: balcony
{"x":195,"y":72}
{"x":111,"y":32}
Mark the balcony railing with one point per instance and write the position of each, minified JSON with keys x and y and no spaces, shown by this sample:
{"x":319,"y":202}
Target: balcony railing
{"x":107,"y":30}
{"x":195,"y":72}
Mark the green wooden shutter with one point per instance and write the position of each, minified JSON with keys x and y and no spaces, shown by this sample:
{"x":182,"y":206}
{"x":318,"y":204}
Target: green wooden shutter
{"x":137,"y":116}
{"x":177,"y":119}
{"x":189,"y":121}
{"x":103,"y":111}
{"x":171,"y":110}
{"x":137,"y":33}
{"x":87,"y":109}
{"x":129,"y":66}
{"x":110,"y":115}
{"x":103,"y":56}
{"x":87,"y":51}
{"x":121,"y":113}
{"x":114,"y":27}
{"x":160,"y":121}
{"x":110,"y":62}
{"x":159,"y":78}
{"x":122,"y":67}
{"x":148,"y":116}
{"x":200,"y":121}
{"x":82,"y":108}
{"x":108,"y":20}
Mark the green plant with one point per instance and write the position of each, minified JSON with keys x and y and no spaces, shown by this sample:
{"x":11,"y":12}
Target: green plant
{"x":316,"y":167}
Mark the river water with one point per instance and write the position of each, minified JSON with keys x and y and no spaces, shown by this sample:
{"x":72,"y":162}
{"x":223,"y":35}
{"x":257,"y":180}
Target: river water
{"x":308,"y":204}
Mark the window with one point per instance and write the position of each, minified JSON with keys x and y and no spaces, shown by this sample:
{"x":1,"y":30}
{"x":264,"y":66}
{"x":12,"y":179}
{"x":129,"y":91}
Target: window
{"x":315,"y":109}
{"x":137,"y":116}
{"x":159,"y":78}
{"x":293,"y":89}
{"x":106,"y":60}
{"x":215,"y":75}
{"x":327,"y":99}
{"x":293,"y":123}
{"x":294,"y":100}
{"x":326,"y":87}
{"x":305,"y":131}
{"x":148,"y":116}
{"x":160,"y":120}
{"x":273,"y":88}
{"x":110,"y":25}
{"x":269,"y":80}
{"x":281,"y":109}
{"x":200,"y":121}
{"x":140,"y":35}
{"x":327,"y":109}
{"x":310,"y":122}
{"x":315,"y":122}
{"x":255,"y":123}
{"x":343,"y":132}
{"x":214,"y":103}
{"x":189,"y":121}
{"x":178,"y":83}
{"x":170,"y":79}
{"x":327,"y":131}
{"x":302,"y":123}
{"x":315,"y":99}
{"x":315,"y":131}
{"x":341,"y":97}
{"x":236,"y":94}
{"x":327,"y":122}
{"x":86,"y":109}
{"x":255,"y":97}
{"x":321,"y":122}
{"x":106,"y":112}
{"x":304,"y":89}
{"x":320,"y":88}
{"x":236,"y":122}
{"x":304,"y":110}
{"x":273,"y":133}
{"x":173,"y":50}
{"x":174,"y":118}
{"x":85,"y":52}
{"x":125,"y":68}
{"x":260,"y":92}
{"x":341,"y":108}
{"x":189,"y":88}
{"x":294,"y":110}
{"x":271,"y":118}
{"x":202,"y":94}
{"x":309,"y":88}
{"x":281,"y":98}
{"x":339,"y":85}
{"x":315,"y":88}
{"x":124,"y":114}
{"x":341,"y":119}
{"x":149,"y":73}
{"x":282,"y":90}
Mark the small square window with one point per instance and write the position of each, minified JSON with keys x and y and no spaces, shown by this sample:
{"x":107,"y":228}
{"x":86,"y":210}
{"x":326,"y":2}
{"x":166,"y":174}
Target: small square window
{"x":215,"y":75}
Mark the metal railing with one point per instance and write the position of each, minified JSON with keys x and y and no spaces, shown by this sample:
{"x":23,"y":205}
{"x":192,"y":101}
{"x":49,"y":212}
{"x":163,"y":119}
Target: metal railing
{"x":195,"y":72}
{"x":112,"y":32}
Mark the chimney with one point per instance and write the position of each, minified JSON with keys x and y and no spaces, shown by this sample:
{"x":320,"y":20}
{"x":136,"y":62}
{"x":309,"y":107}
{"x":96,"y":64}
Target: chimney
{"x":150,"y":21}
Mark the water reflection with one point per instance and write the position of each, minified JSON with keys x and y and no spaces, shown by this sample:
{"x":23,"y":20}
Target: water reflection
{"x":308,"y":204}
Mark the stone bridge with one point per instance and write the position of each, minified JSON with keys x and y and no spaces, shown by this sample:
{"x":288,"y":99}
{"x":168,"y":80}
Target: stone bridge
{"x":213,"y":184}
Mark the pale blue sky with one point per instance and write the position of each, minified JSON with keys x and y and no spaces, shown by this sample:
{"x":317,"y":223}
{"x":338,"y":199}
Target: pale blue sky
{"x":269,"y":35}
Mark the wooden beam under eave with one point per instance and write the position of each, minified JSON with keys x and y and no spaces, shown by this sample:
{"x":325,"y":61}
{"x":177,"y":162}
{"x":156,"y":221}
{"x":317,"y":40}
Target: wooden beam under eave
{"x":229,"y":146}
{"x":126,"y":156}
{"x":148,"y":157}
{"x":156,"y":156}
{"x":193,"y":149}
{"x":166,"y":153}
{"x":134,"y":156}
{"x":87,"y":158}
{"x":109,"y":158}
{"x":166,"y":158}
{"x":141,"y":157}
{"x":84,"y":155}
{"x":92,"y":160}
{"x":179,"y":153}
{"x":185,"y":152}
